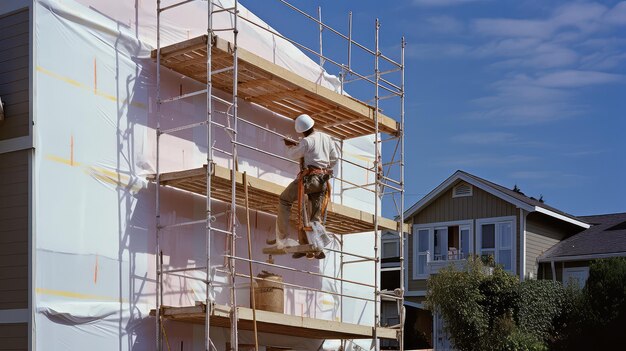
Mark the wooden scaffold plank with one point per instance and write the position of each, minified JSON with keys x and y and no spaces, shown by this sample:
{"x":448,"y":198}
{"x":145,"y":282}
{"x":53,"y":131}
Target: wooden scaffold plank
{"x":275,"y":88}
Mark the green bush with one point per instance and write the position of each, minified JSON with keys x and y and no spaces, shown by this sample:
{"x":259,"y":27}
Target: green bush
{"x":457,"y":296}
{"x":598,"y":318}
{"x":541,"y":305}
{"x":489,"y":309}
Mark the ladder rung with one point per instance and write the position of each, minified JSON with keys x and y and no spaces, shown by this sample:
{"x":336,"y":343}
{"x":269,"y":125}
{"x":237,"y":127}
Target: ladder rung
{"x":184,"y":96}
{"x":222,"y":29}
{"x":188,"y":126}
{"x":226,"y":9}
{"x":175,"y":5}
{"x":222,"y":70}
{"x":183,"y":270}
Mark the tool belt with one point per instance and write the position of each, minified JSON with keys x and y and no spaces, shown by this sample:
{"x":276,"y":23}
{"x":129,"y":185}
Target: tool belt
{"x":312,"y":170}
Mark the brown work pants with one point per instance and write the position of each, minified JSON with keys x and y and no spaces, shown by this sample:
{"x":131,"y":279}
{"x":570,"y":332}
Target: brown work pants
{"x":314,"y":188}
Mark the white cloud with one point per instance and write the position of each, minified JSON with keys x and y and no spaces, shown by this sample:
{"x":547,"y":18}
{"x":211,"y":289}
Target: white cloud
{"x":436,"y":51}
{"x":443,"y":24}
{"x":582,"y":16}
{"x":617,"y":15}
{"x":484,"y":138}
{"x":577,"y":79}
{"x":442,"y":3}
{"x":504,"y":27}
{"x":485,"y":160}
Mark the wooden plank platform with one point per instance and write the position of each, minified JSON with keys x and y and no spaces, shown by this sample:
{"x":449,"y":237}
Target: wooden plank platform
{"x":276,"y":323}
{"x":264,"y":196}
{"x":275,"y":88}
{"x":306,"y":248}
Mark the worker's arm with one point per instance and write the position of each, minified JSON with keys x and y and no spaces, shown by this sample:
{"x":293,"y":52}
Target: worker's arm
{"x":298,"y":151}
{"x":333,"y":156}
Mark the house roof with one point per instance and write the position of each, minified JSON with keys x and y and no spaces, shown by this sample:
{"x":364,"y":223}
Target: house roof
{"x":606,"y":236}
{"x":518,"y":199}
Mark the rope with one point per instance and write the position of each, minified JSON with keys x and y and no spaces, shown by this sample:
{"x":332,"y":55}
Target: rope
{"x":253,"y":298}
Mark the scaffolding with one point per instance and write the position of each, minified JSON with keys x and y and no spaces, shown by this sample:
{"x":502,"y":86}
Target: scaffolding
{"x":218,"y":64}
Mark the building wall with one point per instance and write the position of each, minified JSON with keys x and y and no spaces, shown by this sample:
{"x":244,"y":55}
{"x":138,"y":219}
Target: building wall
{"x":15,"y":174}
{"x":480,"y":205}
{"x":14,"y":230}
{"x":542,"y":233}
{"x":447,"y":208}
{"x":14,"y":74}
{"x":14,"y":336}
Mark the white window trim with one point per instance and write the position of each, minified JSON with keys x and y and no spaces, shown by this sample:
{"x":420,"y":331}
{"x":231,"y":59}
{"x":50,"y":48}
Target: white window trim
{"x":431,"y":242}
{"x":495,"y":220}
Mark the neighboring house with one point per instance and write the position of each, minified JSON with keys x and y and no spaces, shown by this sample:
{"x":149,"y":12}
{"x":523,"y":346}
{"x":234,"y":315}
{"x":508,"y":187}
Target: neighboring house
{"x":467,"y":215}
{"x":568,"y":261}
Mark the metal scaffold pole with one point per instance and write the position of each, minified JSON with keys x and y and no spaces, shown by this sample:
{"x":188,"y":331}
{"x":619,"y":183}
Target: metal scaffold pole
{"x":377,"y":197}
{"x":233,"y":239}
{"x":402,"y":311}
{"x":209,"y":169}
{"x":158,"y":281}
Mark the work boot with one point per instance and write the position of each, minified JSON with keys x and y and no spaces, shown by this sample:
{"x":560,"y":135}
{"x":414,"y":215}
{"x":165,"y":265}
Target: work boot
{"x":285,"y":243}
{"x":320,"y":255}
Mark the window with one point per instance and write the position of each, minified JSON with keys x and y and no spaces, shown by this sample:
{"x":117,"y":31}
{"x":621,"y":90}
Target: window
{"x":391,"y":248}
{"x":421,"y":252}
{"x":576,"y":276}
{"x":440,"y":242}
{"x":496,"y":238}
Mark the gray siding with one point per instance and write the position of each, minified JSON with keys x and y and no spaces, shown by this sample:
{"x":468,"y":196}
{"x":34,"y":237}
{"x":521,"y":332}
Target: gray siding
{"x":14,"y":201}
{"x":542,"y":233}
{"x":14,"y":74}
{"x":480,"y":205}
{"x":14,"y":336}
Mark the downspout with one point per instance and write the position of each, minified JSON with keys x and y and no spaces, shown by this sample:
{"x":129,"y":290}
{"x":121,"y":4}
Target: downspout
{"x":553,"y":270}
{"x":522,"y":246}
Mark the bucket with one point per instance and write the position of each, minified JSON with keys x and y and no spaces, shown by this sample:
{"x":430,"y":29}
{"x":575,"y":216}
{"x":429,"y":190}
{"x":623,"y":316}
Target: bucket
{"x":269,"y":293}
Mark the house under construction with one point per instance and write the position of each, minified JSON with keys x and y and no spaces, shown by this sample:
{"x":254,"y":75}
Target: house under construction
{"x":141,"y":164}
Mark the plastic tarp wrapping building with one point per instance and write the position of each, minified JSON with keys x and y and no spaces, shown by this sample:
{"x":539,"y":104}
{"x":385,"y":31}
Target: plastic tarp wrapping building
{"x":94,"y":219}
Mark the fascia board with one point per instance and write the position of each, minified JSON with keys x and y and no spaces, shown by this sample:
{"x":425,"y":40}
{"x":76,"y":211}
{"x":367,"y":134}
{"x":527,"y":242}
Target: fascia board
{"x":581,"y":257}
{"x":561,"y":217}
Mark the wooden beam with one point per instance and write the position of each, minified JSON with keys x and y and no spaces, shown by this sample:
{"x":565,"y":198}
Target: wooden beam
{"x":277,"y":323}
{"x":264,"y":196}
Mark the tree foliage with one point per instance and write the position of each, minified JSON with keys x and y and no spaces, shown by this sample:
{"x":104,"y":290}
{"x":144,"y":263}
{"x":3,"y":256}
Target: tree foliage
{"x":489,"y":309}
{"x":598,"y":318}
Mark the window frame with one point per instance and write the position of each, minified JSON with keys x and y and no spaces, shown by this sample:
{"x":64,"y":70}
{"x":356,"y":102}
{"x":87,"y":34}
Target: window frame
{"x":495,"y":221}
{"x":465,"y":224}
{"x":387,"y":239}
{"x":570,"y":270}
{"x":417,"y":254}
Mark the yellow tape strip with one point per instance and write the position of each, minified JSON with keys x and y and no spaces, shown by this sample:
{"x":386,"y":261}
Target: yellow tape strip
{"x":102,"y":174}
{"x":86,"y":87}
{"x":75,"y":295}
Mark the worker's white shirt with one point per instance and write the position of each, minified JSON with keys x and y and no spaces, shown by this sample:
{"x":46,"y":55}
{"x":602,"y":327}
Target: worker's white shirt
{"x":318,"y":149}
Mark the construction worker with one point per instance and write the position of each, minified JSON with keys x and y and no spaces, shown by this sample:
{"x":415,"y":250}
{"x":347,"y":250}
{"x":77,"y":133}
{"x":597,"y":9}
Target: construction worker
{"x":319,"y":156}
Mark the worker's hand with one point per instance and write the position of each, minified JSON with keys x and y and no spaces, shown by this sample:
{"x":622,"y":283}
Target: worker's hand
{"x":290,"y":142}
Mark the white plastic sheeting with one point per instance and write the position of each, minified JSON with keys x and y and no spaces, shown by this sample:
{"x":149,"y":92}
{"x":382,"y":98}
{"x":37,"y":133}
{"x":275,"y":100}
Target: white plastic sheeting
{"x":94,"y":216}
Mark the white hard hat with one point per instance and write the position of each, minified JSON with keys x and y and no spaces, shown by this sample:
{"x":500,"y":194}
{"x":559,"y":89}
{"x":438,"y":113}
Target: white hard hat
{"x":304,"y":122}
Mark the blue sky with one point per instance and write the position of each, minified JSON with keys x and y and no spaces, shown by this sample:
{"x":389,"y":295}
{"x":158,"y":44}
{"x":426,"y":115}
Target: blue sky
{"x":526,"y":92}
